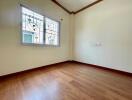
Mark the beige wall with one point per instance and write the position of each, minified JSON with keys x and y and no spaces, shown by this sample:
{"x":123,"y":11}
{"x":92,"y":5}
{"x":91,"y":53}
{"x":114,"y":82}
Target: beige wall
{"x":103,"y":35}
{"x":72,"y":33}
{"x":15,"y":57}
{"x":99,"y":35}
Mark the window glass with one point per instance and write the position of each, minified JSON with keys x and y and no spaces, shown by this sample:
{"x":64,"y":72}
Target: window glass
{"x":32,"y":27}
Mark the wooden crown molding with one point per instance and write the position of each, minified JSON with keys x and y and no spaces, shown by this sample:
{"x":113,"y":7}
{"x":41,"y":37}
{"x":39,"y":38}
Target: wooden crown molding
{"x":61,"y":6}
{"x":88,"y":6}
{"x":75,"y":12}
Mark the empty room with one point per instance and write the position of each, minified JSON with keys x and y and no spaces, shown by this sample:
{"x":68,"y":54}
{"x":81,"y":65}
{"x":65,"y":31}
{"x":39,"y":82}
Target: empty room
{"x":65,"y":49}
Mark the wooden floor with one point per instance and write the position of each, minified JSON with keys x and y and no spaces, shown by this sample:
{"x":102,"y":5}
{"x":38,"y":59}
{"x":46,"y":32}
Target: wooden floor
{"x":66,"y":81}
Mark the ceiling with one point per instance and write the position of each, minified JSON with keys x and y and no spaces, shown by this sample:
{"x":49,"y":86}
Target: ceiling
{"x":75,"y":5}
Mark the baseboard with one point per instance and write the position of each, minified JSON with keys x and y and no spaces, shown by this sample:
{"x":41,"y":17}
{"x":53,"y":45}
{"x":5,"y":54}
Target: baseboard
{"x":29,"y":70}
{"x":106,"y":68}
{"x":71,"y":61}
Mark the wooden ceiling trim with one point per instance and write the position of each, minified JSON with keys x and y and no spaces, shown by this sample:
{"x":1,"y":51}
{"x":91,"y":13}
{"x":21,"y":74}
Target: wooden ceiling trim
{"x":88,"y":6}
{"x":72,"y":12}
{"x":61,"y":6}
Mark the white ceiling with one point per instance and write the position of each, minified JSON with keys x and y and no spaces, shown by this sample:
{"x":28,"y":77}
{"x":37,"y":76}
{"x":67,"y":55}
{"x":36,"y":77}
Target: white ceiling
{"x":74,"y":5}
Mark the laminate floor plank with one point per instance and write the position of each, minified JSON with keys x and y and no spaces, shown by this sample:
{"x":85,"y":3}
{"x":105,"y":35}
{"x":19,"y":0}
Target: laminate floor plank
{"x":66,"y":81}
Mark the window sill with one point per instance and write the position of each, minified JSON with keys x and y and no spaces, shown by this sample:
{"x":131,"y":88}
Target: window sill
{"x":41,"y":45}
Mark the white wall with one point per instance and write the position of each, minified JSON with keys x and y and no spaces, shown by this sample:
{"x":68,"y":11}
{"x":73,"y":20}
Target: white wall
{"x":99,"y":35}
{"x":103,"y":35}
{"x":15,"y":57}
{"x":72,"y":33}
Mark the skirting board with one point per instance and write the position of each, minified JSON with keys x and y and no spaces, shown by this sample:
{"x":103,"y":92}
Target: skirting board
{"x":30,"y":70}
{"x":70,"y":61}
{"x":105,"y":68}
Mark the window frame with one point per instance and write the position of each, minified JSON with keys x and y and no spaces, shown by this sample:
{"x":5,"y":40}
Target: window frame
{"x":44,"y":30}
{"x":58,"y":41}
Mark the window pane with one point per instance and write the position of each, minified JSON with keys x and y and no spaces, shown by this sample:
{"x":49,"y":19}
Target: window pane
{"x":28,"y":37}
{"x":32,"y":27}
{"x":52,"y":32}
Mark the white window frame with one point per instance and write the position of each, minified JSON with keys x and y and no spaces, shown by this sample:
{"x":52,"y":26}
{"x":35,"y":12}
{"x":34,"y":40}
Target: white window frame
{"x":44,"y":33}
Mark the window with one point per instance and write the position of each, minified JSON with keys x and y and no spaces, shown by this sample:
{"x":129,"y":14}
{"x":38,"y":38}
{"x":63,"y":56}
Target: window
{"x":51,"y":32}
{"x":38,"y":29}
{"x":32,"y":27}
